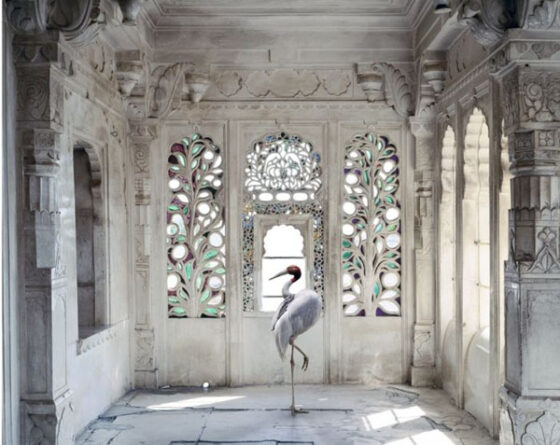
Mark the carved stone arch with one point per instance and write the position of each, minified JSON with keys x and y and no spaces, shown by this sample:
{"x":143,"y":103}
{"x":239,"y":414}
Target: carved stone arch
{"x":505,"y":174}
{"x":476,"y":154}
{"x":448,"y":162}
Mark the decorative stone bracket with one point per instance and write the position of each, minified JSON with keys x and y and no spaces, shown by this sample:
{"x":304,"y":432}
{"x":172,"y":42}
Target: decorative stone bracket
{"x":129,"y":70}
{"x":173,"y":84}
{"x":385,"y":82}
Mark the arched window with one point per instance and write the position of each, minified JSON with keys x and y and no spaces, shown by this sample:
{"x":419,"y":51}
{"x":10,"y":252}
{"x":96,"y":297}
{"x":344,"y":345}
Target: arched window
{"x":371,"y":230}
{"x":195,"y":229}
{"x":283,"y":247}
{"x":282,"y":178}
{"x":90,"y":242}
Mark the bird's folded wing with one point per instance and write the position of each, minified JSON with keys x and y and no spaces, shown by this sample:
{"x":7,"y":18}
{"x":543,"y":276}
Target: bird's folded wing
{"x":281,"y":309}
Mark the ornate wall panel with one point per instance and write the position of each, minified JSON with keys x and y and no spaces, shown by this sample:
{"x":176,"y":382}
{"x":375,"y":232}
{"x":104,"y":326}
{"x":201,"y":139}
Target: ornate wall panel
{"x":283,"y":177}
{"x":196,"y":229}
{"x":371,"y":231}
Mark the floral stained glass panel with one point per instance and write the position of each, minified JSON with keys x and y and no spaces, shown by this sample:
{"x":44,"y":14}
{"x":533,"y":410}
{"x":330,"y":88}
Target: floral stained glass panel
{"x":195,"y":229}
{"x":283,"y":167}
{"x":371,"y":230}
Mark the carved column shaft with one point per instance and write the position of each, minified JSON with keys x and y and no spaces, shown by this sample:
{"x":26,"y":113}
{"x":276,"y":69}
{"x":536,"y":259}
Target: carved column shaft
{"x":532,"y":110}
{"x":44,"y":386}
{"x":145,"y":367}
{"x":423,"y":361}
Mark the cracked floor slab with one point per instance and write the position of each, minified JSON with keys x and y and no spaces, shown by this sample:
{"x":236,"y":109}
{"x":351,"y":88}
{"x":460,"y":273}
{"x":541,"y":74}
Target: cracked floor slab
{"x":338,"y":414}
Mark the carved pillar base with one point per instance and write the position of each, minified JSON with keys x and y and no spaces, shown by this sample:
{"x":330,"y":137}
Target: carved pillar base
{"x":146,"y":374}
{"x":423,"y":370}
{"x":45,"y":421}
{"x":528,"y":420}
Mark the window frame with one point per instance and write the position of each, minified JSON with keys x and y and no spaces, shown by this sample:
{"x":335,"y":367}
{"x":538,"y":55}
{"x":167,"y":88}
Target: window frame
{"x":263,"y":223}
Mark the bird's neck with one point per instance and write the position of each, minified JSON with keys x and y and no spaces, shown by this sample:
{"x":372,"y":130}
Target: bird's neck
{"x":286,"y":288}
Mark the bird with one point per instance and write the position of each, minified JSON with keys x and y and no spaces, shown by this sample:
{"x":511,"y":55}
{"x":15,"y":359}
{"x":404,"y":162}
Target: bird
{"x":296,"y":314}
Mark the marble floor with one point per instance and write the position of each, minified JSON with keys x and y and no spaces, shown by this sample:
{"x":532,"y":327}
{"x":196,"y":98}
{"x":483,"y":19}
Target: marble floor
{"x":396,"y":415}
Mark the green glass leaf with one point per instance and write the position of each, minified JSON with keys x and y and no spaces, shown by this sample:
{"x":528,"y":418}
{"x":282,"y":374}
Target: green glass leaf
{"x":378,"y":228}
{"x":346,"y":265}
{"x":370,"y":137}
{"x":210,"y":254}
{"x":181,"y":158}
{"x":198,"y":283}
{"x":346,"y":255}
{"x":211,"y":310}
{"x":204,"y":295}
{"x":392,"y":266}
{"x":389,"y":200}
{"x":376,"y":289}
{"x":169,"y":268}
{"x":195,"y":136}
{"x":186,"y":211}
{"x":186,"y":142}
{"x":390,"y":179}
{"x":183,"y":294}
{"x":346,"y":243}
{"x":196,"y":148}
{"x":181,"y":238}
{"x":174,"y":168}
{"x":173,"y":300}
{"x":220,"y":271}
{"x":389,"y":188}
{"x":188,"y":271}
{"x":369,"y":155}
{"x":392,"y":228}
{"x":365,"y":174}
{"x":194,"y":164}
{"x":179,"y":311}
{"x":173,"y":208}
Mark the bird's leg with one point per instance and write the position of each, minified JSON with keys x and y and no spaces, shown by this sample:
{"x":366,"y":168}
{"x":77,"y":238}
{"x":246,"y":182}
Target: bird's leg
{"x":305,"y":358}
{"x":292,"y":363}
{"x":293,"y":408}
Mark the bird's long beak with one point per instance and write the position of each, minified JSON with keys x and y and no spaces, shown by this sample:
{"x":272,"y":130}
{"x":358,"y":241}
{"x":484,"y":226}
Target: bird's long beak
{"x":279,"y":274}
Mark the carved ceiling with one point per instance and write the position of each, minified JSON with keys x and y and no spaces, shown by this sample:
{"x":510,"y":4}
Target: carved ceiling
{"x":173,"y":12}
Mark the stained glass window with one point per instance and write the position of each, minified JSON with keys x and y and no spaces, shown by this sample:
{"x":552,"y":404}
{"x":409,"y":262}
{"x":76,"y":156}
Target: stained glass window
{"x":283,"y":177}
{"x":195,"y":229}
{"x":283,"y":167}
{"x":371,"y":230}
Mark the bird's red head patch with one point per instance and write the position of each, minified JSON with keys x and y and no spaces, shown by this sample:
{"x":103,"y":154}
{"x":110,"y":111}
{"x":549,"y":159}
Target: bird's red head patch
{"x":295,"y":272}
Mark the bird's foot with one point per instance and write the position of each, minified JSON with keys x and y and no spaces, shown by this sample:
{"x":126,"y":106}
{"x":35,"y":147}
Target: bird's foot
{"x":305,"y":363}
{"x":295,"y":410}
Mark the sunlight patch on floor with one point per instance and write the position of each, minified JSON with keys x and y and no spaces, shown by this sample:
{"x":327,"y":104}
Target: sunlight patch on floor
{"x":193,"y":402}
{"x":391,"y":417}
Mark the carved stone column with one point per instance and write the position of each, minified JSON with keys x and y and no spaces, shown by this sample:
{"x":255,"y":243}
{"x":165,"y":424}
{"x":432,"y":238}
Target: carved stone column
{"x":44,"y":391}
{"x":145,"y":366}
{"x":531,"y":410}
{"x":423,"y":360}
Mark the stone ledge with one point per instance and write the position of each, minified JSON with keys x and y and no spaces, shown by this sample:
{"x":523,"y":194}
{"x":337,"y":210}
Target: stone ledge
{"x":104,"y":335}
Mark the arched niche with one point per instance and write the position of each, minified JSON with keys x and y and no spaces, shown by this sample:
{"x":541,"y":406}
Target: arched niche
{"x":476,"y":268}
{"x":447,"y":263}
{"x":90,"y":240}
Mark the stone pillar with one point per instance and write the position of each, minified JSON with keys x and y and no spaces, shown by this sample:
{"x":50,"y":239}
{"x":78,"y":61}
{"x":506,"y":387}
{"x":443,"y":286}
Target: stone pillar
{"x":530,"y":396}
{"x":145,"y":366}
{"x":44,"y":391}
{"x":423,"y":359}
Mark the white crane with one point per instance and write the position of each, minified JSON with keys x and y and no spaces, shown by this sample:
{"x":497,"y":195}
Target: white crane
{"x":296,"y":314}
